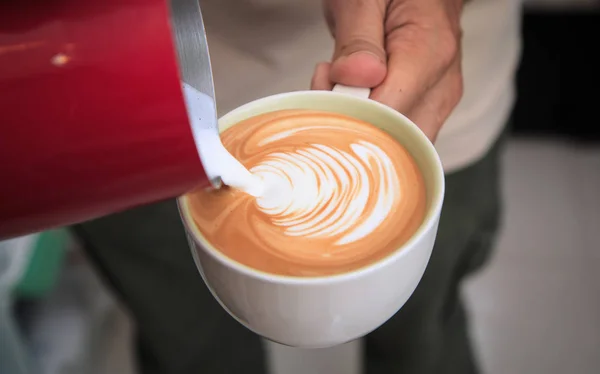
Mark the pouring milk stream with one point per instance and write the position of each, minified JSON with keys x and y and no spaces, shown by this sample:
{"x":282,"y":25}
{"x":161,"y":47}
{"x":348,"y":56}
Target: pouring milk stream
{"x":202,"y":115}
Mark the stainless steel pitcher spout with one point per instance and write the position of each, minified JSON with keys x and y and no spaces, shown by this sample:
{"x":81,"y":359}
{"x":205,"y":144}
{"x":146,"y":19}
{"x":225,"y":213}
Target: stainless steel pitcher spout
{"x":196,"y":74}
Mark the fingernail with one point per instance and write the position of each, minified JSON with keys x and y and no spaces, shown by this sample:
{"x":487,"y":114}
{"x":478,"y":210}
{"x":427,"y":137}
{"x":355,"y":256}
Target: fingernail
{"x":369,"y":53}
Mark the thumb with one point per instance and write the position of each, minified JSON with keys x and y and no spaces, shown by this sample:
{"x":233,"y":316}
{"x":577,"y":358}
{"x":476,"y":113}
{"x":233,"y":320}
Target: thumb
{"x":360,"y":57}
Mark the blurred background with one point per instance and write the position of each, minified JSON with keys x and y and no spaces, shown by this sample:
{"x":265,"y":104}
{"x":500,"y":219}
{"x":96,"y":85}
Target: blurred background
{"x":535,"y":308}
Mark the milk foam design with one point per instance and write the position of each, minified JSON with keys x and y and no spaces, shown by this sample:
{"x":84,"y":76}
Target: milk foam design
{"x":320,"y":191}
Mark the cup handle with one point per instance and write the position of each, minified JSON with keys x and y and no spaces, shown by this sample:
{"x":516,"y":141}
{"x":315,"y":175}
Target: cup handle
{"x":361,"y":92}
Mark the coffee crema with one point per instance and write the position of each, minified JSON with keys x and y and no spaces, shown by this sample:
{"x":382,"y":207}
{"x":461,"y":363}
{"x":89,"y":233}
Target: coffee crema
{"x":339,"y":194}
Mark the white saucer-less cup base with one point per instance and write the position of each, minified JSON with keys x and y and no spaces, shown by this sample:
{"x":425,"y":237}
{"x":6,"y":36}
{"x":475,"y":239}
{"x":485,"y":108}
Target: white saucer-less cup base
{"x":326,"y":311}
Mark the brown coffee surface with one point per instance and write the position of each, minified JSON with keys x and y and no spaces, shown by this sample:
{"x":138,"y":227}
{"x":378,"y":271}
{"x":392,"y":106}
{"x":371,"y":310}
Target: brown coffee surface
{"x":341,"y":194}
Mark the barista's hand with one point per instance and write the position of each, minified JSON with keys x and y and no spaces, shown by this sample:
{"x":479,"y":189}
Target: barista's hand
{"x":408,"y":51}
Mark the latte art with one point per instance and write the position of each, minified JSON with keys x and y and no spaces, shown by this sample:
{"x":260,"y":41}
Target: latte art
{"x":337,"y":195}
{"x":322,"y":192}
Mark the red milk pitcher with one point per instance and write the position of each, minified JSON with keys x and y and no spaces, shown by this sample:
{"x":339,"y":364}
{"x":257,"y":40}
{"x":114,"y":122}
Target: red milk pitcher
{"x":92,"y":116}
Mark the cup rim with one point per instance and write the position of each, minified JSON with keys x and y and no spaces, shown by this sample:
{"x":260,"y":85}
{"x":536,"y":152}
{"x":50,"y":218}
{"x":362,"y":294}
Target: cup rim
{"x":430,"y":219}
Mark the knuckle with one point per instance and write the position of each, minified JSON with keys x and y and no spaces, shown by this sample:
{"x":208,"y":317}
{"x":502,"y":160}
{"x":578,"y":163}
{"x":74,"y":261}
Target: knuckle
{"x":449,"y":49}
{"x":454,"y":88}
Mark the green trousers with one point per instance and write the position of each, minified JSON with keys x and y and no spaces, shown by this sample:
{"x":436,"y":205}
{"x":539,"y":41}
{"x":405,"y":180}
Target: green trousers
{"x":180,"y":329}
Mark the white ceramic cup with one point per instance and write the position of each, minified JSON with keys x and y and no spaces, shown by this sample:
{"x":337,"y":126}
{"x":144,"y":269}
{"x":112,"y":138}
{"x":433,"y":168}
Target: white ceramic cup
{"x":325,"y":311}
